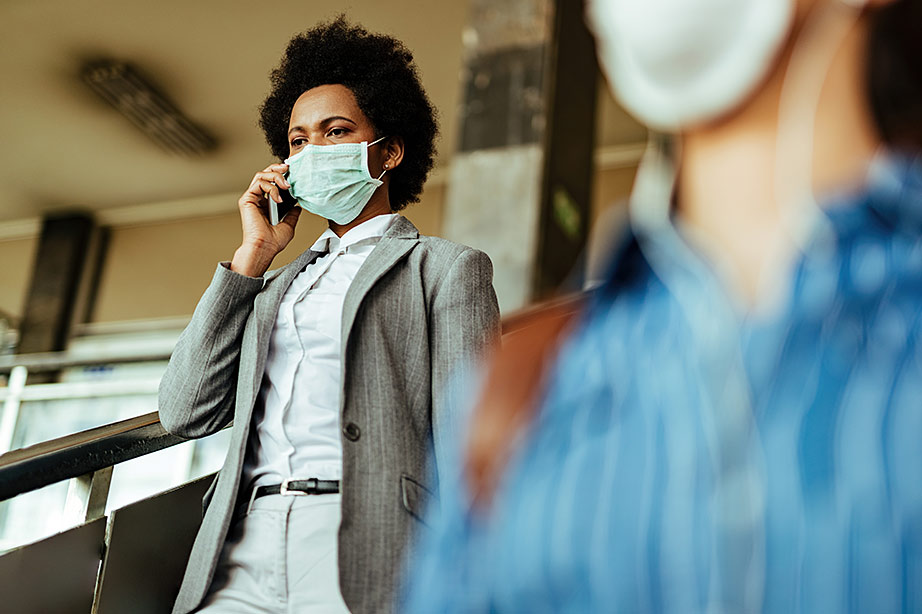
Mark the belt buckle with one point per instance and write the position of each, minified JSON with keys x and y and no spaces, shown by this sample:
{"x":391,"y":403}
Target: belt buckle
{"x":285,"y":491}
{"x":252,"y":498}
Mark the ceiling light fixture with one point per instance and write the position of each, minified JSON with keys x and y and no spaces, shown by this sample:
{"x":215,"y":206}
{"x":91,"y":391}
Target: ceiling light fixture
{"x":121,"y":85}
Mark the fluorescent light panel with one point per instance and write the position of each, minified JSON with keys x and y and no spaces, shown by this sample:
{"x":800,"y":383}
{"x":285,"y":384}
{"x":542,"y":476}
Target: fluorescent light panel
{"x":121,"y":86}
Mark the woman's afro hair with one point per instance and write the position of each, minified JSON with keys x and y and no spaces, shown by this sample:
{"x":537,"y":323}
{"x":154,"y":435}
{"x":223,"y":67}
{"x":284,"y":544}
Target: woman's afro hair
{"x":380,"y":72}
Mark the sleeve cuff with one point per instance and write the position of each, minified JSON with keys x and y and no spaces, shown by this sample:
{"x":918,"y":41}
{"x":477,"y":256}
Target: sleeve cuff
{"x":230,"y":280}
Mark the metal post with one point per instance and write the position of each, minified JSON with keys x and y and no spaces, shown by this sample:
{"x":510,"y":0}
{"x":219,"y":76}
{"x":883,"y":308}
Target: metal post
{"x":17,"y":383}
{"x":86,"y":497}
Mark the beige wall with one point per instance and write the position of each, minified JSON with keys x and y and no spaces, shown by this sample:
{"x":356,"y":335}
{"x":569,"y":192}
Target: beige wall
{"x":611,"y":188}
{"x":160,"y":270}
{"x":16,"y":261}
{"x":610,"y":191}
{"x":155,"y":270}
{"x":427,"y":214}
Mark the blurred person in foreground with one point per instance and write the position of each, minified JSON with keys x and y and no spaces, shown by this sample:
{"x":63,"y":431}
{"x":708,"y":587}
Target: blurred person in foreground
{"x":331,"y":366}
{"x":733,"y":421}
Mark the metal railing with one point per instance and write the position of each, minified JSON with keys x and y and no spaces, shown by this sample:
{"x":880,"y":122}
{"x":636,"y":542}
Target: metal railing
{"x":18,"y":367}
{"x":85,"y":458}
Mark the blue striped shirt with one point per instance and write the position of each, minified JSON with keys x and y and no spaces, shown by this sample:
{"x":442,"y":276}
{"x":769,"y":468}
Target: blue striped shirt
{"x":690,"y":458}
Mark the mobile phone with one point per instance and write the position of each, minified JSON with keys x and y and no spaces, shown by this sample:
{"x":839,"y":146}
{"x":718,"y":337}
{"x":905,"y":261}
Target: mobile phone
{"x":278,"y":211}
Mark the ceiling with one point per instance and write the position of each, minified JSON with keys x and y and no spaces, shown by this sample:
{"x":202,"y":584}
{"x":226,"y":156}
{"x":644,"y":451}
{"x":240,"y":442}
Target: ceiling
{"x":63,"y":148}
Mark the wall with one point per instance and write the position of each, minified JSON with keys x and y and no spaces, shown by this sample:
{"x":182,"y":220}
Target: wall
{"x":160,"y":270}
{"x":610,"y":191}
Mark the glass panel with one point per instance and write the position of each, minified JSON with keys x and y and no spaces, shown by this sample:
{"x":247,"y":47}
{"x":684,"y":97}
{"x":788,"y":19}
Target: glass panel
{"x":148,"y":475}
{"x":40,"y":513}
{"x":32,"y":516}
{"x":43,"y":420}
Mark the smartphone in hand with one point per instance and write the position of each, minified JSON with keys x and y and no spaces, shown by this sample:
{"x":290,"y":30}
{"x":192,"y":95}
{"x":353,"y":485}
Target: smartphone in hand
{"x":278,"y":211}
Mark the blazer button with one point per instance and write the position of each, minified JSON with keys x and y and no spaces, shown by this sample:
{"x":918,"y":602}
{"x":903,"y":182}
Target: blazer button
{"x":352,"y":431}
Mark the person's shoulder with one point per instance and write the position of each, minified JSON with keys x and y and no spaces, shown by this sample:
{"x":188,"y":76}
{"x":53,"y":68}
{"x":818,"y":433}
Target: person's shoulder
{"x":443,"y":249}
{"x":434,"y":255}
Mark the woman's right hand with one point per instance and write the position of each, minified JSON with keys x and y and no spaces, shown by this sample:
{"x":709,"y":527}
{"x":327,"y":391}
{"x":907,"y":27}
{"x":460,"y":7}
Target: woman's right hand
{"x":262,"y":241}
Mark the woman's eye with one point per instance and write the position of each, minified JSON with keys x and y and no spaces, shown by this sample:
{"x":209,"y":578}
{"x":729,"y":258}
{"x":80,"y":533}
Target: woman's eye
{"x":336,"y":132}
{"x":297,"y":142}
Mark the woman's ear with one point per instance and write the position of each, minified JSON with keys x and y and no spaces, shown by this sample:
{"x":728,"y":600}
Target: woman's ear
{"x":393,"y":152}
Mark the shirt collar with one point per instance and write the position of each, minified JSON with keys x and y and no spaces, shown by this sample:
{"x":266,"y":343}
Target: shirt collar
{"x":375,"y":228}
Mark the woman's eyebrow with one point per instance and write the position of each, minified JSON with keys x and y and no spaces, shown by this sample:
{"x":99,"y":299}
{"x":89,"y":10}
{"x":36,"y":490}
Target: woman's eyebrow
{"x":323,"y":123}
{"x":336,"y":117}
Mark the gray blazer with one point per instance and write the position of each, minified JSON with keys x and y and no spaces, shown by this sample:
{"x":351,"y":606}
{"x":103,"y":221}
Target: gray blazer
{"x":418,"y":307}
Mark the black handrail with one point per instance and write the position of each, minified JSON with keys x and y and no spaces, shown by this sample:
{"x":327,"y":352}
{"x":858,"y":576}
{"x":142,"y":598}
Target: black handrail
{"x":71,"y":456}
{"x":45,"y":463}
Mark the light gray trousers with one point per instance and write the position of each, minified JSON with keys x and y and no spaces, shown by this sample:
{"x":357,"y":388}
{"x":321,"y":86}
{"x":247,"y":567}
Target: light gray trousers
{"x":280,"y":558}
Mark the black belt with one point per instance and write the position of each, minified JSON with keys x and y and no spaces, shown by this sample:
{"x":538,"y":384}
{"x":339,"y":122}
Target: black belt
{"x":313,"y":486}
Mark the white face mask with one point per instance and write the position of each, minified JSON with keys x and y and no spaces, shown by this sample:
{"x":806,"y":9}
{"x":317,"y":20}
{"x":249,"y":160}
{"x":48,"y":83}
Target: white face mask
{"x":333,"y":180}
{"x":675,"y":63}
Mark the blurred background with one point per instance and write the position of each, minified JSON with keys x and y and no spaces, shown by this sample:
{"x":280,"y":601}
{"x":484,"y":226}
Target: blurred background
{"x":129,"y":132}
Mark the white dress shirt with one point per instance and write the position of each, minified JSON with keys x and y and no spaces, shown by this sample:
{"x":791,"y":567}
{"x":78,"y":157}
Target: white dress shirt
{"x":297,"y":431}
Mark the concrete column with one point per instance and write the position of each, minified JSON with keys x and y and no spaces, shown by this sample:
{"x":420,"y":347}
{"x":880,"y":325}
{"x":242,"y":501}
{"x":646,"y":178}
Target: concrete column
{"x":58,"y":291}
{"x":519,"y":187}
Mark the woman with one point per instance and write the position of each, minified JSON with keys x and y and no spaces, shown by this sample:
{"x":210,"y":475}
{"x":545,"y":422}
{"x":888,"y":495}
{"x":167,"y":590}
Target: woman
{"x":733,"y":422}
{"x":331,"y":366}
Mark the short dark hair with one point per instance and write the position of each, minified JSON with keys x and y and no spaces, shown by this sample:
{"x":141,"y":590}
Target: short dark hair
{"x":381,"y":73}
{"x":895,"y":72}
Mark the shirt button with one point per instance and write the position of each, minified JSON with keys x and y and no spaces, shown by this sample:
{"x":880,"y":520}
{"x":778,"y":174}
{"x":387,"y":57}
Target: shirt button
{"x":352,"y":431}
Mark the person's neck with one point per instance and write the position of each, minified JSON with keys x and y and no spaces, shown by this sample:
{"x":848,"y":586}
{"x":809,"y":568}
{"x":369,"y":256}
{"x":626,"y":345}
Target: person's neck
{"x":727,"y":186}
{"x":374,"y":208}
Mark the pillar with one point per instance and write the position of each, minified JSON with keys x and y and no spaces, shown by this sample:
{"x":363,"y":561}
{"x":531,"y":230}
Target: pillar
{"x":520,"y":180}
{"x":58,"y":291}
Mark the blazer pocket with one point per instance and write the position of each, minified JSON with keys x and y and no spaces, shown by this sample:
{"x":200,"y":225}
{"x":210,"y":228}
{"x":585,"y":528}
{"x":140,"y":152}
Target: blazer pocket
{"x":415,"y":497}
{"x":206,"y":498}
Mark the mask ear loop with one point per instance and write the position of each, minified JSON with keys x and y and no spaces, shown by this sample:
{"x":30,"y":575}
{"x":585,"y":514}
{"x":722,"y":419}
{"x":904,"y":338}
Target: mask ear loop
{"x":376,"y":141}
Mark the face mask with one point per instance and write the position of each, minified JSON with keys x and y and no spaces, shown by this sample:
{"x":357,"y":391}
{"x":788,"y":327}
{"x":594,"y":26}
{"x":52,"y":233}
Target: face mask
{"x":673,"y":63}
{"x":333,"y":180}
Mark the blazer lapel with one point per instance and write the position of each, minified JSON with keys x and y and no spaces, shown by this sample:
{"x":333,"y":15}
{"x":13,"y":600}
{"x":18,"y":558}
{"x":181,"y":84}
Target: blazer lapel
{"x":266,"y":305}
{"x":395,"y":244}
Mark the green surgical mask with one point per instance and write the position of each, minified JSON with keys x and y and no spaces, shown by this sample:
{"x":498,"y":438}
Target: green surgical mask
{"x":333,"y":180}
